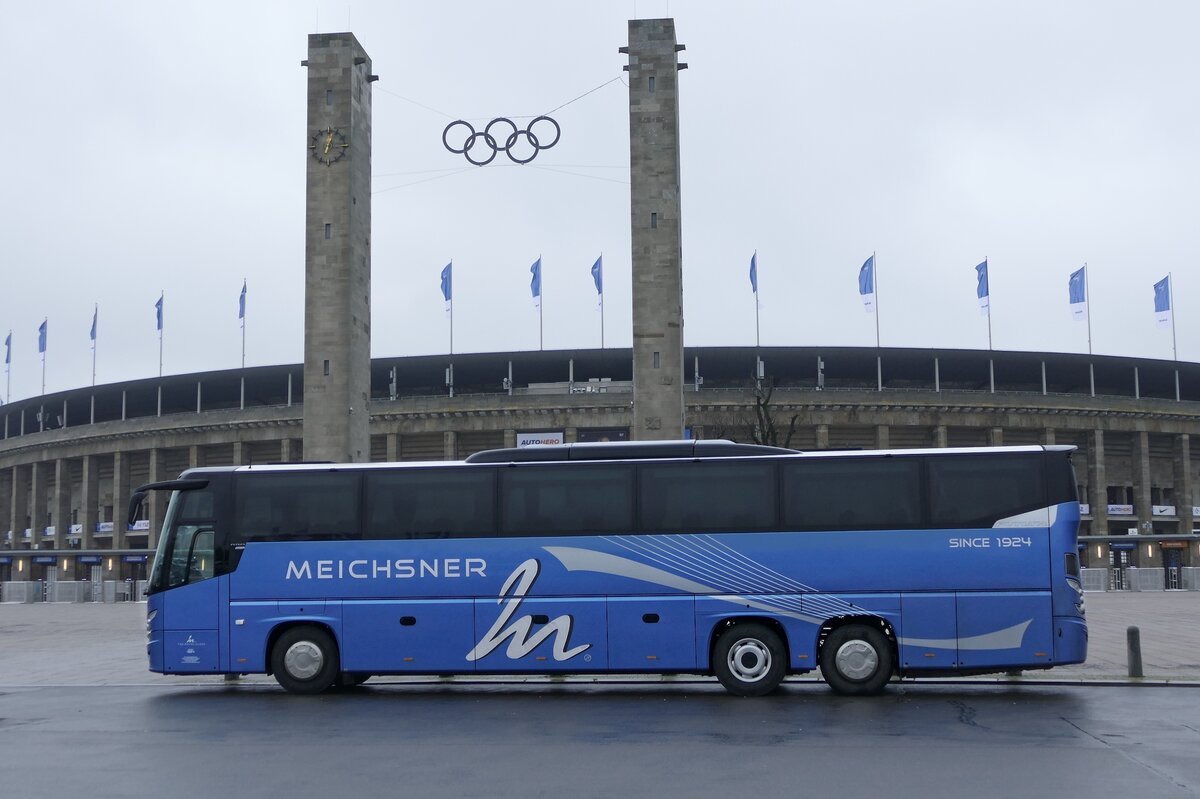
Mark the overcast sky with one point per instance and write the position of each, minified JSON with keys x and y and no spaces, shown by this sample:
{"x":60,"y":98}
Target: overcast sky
{"x":161,"y":147}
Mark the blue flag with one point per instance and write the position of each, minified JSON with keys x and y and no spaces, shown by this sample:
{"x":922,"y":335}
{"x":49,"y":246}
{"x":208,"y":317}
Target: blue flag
{"x":1162,"y":301}
{"x":448,"y":284}
{"x":598,"y":274}
{"x":158,"y":308}
{"x":42,"y":335}
{"x":981,"y":290}
{"x":866,"y":284}
{"x":1077,"y":293}
{"x":8,"y":349}
{"x":95,"y":316}
{"x":535,"y":285}
{"x":241,"y":304}
{"x":754,"y":272}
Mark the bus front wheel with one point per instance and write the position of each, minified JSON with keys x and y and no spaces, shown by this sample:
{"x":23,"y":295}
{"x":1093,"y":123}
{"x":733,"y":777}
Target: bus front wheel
{"x":749,"y":659}
{"x":305,"y":660}
{"x":856,"y":660}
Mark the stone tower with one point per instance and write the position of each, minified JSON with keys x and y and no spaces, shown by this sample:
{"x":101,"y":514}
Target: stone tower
{"x":337,"y":250}
{"x":657,"y":239}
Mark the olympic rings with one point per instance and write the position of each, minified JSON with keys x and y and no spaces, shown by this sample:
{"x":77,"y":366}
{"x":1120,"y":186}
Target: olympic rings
{"x":471,"y":141}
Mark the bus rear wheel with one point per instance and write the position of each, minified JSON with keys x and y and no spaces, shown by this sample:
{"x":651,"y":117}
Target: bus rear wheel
{"x":856,"y":660}
{"x":749,"y":659}
{"x":305,"y":660}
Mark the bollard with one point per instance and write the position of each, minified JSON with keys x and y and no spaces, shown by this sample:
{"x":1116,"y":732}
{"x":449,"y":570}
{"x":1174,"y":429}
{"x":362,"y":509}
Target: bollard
{"x":1133,"y":638}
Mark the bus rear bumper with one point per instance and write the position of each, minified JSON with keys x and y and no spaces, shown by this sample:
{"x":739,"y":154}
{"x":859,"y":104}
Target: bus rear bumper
{"x":1070,"y":640}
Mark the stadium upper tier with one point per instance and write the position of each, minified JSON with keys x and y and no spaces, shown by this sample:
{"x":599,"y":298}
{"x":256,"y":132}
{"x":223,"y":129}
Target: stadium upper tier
{"x":1155,"y":386}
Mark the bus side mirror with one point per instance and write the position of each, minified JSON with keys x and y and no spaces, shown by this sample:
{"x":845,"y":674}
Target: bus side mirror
{"x":135,"y":506}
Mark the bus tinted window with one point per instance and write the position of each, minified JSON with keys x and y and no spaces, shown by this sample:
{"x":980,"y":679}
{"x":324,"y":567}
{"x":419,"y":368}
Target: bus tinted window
{"x":852,"y":494}
{"x":196,"y":504}
{"x":689,"y":497}
{"x":1060,"y":478}
{"x":978,"y":490}
{"x":430,"y":503}
{"x":311,"y":507}
{"x":566,"y":499}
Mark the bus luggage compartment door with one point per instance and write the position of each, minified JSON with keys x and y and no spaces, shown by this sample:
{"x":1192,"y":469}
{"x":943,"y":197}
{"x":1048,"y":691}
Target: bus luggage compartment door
{"x":1004,"y":628}
{"x":652,"y":633}
{"x":408,"y":635}
{"x":928,"y":632}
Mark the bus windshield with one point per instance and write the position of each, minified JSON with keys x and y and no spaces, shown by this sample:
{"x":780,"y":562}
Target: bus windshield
{"x":186,"y":547}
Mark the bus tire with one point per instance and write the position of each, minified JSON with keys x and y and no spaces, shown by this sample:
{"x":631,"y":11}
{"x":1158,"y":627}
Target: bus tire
{"x":856,"y":660}
{"x":305,"y":660}
{"x":749,"y":659}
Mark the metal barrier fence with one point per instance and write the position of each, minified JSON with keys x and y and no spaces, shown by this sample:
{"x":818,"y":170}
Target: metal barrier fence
{"x":28,"y":591}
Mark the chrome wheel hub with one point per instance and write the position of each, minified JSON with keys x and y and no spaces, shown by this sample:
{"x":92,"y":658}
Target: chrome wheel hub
{"x":749,"y":660}
{"x":303,"y":660}
{"x":856,"y":660}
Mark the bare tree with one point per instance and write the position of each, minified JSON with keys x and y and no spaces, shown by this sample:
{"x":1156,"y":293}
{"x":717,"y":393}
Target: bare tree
{"x":760,"y":424}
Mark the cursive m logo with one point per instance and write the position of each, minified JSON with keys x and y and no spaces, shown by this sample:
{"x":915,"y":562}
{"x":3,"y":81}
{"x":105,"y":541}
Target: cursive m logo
{"x":522,"y":643}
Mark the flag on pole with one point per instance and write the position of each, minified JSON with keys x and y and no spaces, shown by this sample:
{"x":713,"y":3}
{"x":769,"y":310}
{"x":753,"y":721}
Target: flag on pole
{"x":598,"y":277}
{"x":866,"y":284}
{"x":1162,"y":301}
{"x":241,"y":304}
{"x":158,"y":310}
{"x":1077,"y":292}
{"x":42,"y":335}
{"x":447,"y":284}
{"x":981,"y":291}
{"x":754,"y":278}
{"x":95,"y":316}
{"x":535,"y":285}
{"x":8,"y":349}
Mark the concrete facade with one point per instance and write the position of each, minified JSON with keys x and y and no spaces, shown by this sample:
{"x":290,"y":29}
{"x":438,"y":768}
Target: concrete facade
{"x":656,"y":219}
{"x":337,"y":252}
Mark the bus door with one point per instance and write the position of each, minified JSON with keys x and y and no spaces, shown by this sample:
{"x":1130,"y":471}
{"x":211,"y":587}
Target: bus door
{"x":191,"y":609}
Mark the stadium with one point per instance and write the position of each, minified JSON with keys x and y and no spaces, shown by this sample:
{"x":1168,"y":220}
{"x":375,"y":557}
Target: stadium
{"x":69,"y":461}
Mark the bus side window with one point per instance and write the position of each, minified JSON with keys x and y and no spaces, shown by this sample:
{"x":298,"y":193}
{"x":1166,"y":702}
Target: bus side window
{"x":192,"y":557}
{"x":200,"y":562}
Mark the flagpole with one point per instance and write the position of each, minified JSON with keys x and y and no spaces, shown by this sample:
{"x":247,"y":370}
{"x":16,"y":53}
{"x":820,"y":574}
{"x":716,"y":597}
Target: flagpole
{"x":602,"y":300}
{"x":243,"y":324}
{"x":161,"y":295}
{"x":757,"y":340}
{"x":95,"y":332}
{"x":541,"y":304}
{"x":875,"y":265}
{"x":1171,"y":305}
{"x":1087,"y":293}
{"x":985,"y":271}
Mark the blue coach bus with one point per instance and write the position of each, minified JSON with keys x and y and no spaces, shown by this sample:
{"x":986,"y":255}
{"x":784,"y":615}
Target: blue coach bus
{"x":747,"y":563}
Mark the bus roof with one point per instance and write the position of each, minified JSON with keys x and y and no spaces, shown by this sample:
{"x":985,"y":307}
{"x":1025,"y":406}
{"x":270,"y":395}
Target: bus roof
{"x":622,"y":450}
